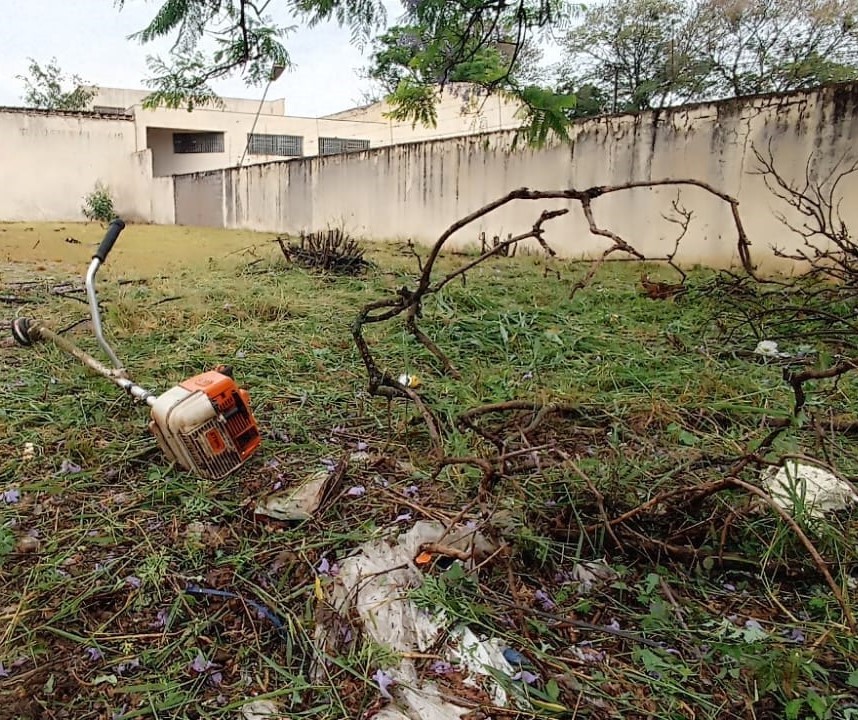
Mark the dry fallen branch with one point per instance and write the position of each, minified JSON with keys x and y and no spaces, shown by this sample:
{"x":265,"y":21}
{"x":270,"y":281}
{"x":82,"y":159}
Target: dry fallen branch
{"x":797,"y":380}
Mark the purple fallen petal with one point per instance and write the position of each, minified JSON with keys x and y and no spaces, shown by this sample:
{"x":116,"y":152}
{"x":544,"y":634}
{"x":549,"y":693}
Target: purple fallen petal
{"x":614,"y":624}
{"x":441,"y":667}
{"x":384,"y":681}
{"x":11,"y":496}
{"x":526,"y":677}
{"x":797,"y":636}
{"x":134,"y":581}
{"x":514,"y":657}
{"x":94,"y":654}
{"x":411,"y":491}
{"x":324,"y":567}
{"x":4,"y":673}
{"x":215,"y":679}
{"x":329,"y":464}
{"x":200,"y":664}
{"x":356,"y":491}
{"x":544,"y":600}
{"x":403,"y":517}
{"x":752,"y":624}
{"x":362,"y":446}
{"x":273,"y":463}
{"x":123,"y":668}
{"x":69,"y":468}
{"x":276,"y":486}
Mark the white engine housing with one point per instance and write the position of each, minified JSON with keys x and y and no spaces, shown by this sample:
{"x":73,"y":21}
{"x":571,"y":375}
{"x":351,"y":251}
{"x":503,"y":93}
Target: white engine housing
{"x":192,"y":433}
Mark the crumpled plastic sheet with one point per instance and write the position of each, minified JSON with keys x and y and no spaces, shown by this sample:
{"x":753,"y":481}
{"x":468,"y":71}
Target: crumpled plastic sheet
{"x":816,"y":489}
{"x":374,"y":583}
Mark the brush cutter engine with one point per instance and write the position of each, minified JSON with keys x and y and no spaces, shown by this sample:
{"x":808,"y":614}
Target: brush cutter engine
{"x":204,"y":424}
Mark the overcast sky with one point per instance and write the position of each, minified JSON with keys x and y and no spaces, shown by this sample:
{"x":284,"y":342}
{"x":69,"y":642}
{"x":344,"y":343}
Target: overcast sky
{"x":89,"y":38}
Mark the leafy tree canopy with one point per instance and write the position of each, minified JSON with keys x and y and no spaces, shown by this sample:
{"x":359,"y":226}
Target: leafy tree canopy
{"x":639,"y":54}
{"x":48,"y":88}
{"x":489,"y":44}
{"x":618,"y":54}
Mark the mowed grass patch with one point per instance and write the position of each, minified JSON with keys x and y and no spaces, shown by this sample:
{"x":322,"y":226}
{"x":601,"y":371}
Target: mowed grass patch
{"x":104,"y":537}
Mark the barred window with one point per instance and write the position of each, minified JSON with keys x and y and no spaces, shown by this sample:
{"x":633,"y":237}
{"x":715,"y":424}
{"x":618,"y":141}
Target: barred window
{"x":205,"y":142}
{"x":334,"y":146}
{"x":283,"y":145}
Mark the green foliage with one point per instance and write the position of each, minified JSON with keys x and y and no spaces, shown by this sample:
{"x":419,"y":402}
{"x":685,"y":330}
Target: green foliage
{"x":47,"y":88}
{"x":624,"y":55}
{"x":760,"y":46}
{"x":245,"y":39}
{"x":642,"y":54}
{"x":487,"y":44}
{"x":98,"y":204}
{"x":546,"y":115}
{"x":7,"y":541}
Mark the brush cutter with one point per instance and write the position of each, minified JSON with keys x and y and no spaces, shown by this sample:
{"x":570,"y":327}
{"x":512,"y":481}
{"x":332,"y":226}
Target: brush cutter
{"x":204,"y":423}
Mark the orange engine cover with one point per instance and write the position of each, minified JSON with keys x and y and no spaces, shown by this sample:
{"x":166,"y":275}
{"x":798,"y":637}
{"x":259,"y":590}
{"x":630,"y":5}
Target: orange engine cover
{"x":233,"y":404}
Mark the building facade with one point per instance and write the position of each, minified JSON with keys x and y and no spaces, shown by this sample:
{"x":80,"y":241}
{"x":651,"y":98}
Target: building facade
{"x":246,"y":132}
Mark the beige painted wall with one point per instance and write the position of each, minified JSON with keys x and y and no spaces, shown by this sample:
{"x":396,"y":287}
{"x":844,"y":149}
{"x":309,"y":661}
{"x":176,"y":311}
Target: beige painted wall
{"x":49,"y":161}
{"x":131,"y":99}
{"x":457,"y":111}
{"x":417,"y":190}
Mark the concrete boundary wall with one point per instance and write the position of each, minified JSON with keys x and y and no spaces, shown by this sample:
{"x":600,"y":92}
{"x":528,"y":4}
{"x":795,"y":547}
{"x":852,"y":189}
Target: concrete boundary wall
{"x":50,"y":160}
{"x":417,"y":190}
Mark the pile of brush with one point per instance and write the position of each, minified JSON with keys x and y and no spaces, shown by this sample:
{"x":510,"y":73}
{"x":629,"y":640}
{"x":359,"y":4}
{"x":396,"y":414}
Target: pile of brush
{"x":328,"y":250}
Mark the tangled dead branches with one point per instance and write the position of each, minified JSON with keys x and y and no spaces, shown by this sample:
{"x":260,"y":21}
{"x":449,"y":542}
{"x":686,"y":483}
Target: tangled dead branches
{"x":330,"y":251}
{"x":409,"y":301}
{"x":828,"y":248}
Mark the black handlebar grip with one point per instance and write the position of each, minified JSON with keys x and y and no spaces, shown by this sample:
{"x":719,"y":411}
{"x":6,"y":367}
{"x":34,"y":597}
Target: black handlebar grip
{"x":116,"y":227}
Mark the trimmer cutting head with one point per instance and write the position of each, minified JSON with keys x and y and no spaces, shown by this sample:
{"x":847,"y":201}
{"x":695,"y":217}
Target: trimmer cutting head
{"x":204,"y":424}
{"x":21,"y":331}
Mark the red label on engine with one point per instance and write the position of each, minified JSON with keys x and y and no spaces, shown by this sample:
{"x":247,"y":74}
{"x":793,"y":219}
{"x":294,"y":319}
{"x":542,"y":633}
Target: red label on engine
{"x":216,"y":442}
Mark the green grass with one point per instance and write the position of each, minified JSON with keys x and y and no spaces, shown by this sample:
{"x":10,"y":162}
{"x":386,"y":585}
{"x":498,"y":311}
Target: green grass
{"x":664,"y":402}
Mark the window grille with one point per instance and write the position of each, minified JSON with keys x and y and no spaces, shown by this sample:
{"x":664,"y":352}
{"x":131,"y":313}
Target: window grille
{"x":205,"y":142}
{"x":282,"y":145}
{"x":334,"y":146}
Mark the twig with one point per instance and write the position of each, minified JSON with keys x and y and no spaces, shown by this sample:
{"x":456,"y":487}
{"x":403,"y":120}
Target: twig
{"x":167,"y":299}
